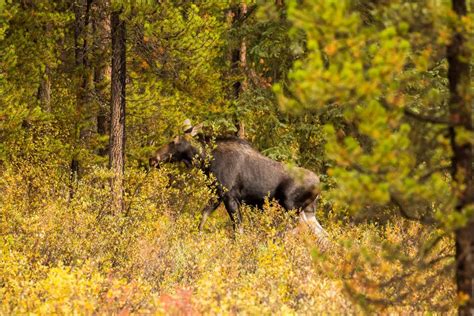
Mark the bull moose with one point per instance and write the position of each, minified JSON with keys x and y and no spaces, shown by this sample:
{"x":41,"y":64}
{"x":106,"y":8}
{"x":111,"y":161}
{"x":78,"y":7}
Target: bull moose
{"x":244,"y":175}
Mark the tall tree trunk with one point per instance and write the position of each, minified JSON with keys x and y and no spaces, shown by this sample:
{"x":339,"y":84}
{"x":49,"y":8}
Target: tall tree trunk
{"x":238,"y":58}
{"x":460,"y":107}
{"x":78,"y":31}
{"x":102,"y":70}
{"x":243,"y":70}
{"x":82,"y":12}
{"x":44,"y":90}
{"x":234,"y":53}
{"x":117,"y":105}
{"x":85,"y":90}
{"x":243,"y":53}
{"x":239,"y":55}
{"x":78,"y":62}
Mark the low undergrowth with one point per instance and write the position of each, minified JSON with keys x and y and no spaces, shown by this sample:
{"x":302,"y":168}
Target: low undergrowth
{"x":63,"y":252}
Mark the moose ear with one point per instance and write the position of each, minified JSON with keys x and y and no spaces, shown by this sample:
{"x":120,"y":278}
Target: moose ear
{"x":191,"y":130}
{"x":187,"y":127}
{"x":196,"y":130}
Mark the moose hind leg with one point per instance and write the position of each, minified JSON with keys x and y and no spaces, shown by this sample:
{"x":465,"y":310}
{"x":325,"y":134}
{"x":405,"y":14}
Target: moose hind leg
{"x":233,"y":209}
{"x":211,"y":207}
{"x":308,"y":217}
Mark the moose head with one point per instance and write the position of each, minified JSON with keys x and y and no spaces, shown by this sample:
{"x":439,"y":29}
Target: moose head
{"x":179,"y":149}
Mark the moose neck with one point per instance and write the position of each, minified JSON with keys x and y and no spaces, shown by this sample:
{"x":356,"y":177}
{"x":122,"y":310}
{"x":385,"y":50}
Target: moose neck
{"x":196,"y":157}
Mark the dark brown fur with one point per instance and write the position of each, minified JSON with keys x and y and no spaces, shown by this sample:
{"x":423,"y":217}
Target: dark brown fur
{"x":245,"y":176}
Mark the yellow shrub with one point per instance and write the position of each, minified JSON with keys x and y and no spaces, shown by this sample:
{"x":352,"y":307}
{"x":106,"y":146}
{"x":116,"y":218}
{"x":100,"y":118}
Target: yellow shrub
{"x":63,"y":255}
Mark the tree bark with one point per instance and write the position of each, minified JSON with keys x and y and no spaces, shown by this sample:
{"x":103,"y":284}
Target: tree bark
{"x":44,"y":90}
{"x":86,"y":77}
{"x":238,"y":58}
{"x":238,"y":55}
{"x":243,"y":53}
{"x":78,"y":63}
{"x":78,"y":30}
{"x":102,"y":70}
{"x":117,"y":106}
{"x":234,"y":54}
{"x":460,"y":108}
{"x":82,"y":12}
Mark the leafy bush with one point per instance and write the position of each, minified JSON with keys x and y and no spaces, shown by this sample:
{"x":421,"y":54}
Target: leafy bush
{"x":64,"y":255}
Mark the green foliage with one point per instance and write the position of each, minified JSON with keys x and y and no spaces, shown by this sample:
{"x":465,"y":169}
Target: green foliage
{"x":25,"y":54}
{"x":175,"y":72}
{"x":382,"y":65}
{"x":369,"y":70}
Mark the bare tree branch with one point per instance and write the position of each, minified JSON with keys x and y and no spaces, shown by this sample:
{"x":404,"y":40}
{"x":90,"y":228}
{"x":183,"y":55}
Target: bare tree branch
{"x":432,"y":120}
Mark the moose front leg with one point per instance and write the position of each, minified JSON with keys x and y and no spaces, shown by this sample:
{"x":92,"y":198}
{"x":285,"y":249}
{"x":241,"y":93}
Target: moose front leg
{"x":233,"y":209}
{"x":211,"y":207}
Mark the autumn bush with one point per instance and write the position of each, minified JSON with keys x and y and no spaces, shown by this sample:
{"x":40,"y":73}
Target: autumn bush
{"x":64,"y":252}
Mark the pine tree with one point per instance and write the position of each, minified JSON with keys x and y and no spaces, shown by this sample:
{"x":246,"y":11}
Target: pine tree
{"x":460,"y":111}
{"x":117,"y":109}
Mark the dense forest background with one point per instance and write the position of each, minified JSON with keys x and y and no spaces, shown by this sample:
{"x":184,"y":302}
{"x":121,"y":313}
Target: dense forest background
{"x":374,"y":96}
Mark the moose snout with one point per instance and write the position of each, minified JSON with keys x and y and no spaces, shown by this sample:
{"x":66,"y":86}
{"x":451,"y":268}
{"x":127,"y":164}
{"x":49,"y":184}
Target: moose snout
{"x":154,"y":162}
